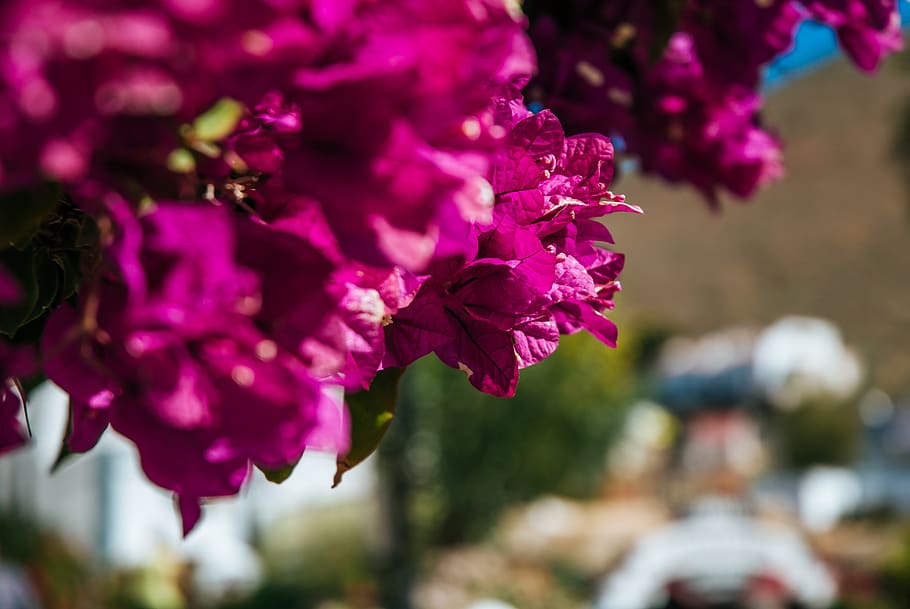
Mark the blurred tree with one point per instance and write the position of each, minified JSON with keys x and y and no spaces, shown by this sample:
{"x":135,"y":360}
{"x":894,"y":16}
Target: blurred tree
{"x":820,"y":432}
{"x":63,"y":577}
{"x":330,"y":563}
{"x":896,"y":572}
{"x":454,"y":459}
{"x":471,"y":456}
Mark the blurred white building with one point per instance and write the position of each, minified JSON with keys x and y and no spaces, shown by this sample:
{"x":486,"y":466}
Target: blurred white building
{"x":798,"y":358}
{"x":104,"y":502}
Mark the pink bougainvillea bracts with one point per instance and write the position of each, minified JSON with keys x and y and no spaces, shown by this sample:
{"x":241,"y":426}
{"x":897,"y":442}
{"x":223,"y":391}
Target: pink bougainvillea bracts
{"x":678,"y":81}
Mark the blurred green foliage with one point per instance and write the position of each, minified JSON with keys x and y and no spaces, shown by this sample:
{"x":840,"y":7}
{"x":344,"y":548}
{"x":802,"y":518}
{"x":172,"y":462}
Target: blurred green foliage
{"x":326,"y":559}
{"x":896,"y":573}
{"x":820,"y":432}
{"x":61,"y":576}
{"x":471,"y":455}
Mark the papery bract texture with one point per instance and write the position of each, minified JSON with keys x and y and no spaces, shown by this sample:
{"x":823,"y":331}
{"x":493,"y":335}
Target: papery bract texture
{"x":536,"y":270}
{"x":180,"y":364}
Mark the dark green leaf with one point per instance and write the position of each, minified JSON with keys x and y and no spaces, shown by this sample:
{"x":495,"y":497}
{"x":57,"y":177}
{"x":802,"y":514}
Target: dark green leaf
{"x":24,"y":267}
{"x":47,"y":279}
{"x":278,"y":475}
{"x":65,"y":453}
{"x":68,"y":263}
{"x":371,"y":414}
{"x":48,"y":268}
{"x":22,"y":211}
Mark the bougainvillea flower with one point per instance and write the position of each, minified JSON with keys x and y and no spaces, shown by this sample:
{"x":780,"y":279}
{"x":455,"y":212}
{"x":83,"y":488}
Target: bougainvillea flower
{"x":574,"y":177}
{"x":693,"y":132}
{"x":177,"y":369}
{"x":577,"y":80}
{"x":868,"y":30}
{"x":395,"y":177}
{"x":467,"y":319}
{"x":679,"y":84}
{"x":535,"y":272}
{"x":735,"y":39}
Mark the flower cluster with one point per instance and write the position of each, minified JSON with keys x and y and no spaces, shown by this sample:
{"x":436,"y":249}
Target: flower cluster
{"x":256,"y":206}
{"x":678,"y":81}
{"x":288,"y":197}
{"x":88,"y":91}
{"x":533,"y":272}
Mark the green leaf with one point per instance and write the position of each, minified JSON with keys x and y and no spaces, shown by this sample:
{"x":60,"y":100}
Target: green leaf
{"x":68,"y":263}
{"x":48,"y":268}
{"x":45,"y":277}
{"x":65,"y":452}
{"x":22,"y":211}
{"x":278,"y":475}
{"x":219,"y":121}
{"x":371,"y":414}
{"x":24,"y":267}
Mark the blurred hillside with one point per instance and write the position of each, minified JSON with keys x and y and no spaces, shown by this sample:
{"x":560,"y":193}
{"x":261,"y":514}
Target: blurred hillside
{"x":831,"y":240}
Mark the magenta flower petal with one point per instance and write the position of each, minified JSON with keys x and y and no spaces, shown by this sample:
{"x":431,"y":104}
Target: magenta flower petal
{"x":12,"y":435}
{"x":867,"y":29}
{"x":178,"y":460}
{"x":63,"y":349}
{"x":573,"y":316}
{"x":88,"y":424}
{"x":540,"y":136}
{"x":535,"y":341}
{"x":573,"y":281}
{"x":15,"y":361}
{"x":502,"y":293}
{"x":483,"y":352}
{"x":10,"y":291}
{"x":867,"y":48}
{"x":176,"y":367}
{"x":331,"y":430}
{"x":417,"y":330}
{"x":190,"y":512}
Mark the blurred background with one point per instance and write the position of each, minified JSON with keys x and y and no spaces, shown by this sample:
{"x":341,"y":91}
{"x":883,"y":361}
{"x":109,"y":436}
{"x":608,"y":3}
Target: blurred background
{"x":746,"y":446}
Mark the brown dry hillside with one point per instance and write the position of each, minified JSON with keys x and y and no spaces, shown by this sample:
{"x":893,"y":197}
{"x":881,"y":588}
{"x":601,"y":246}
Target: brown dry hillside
{"x":831,"y":240}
